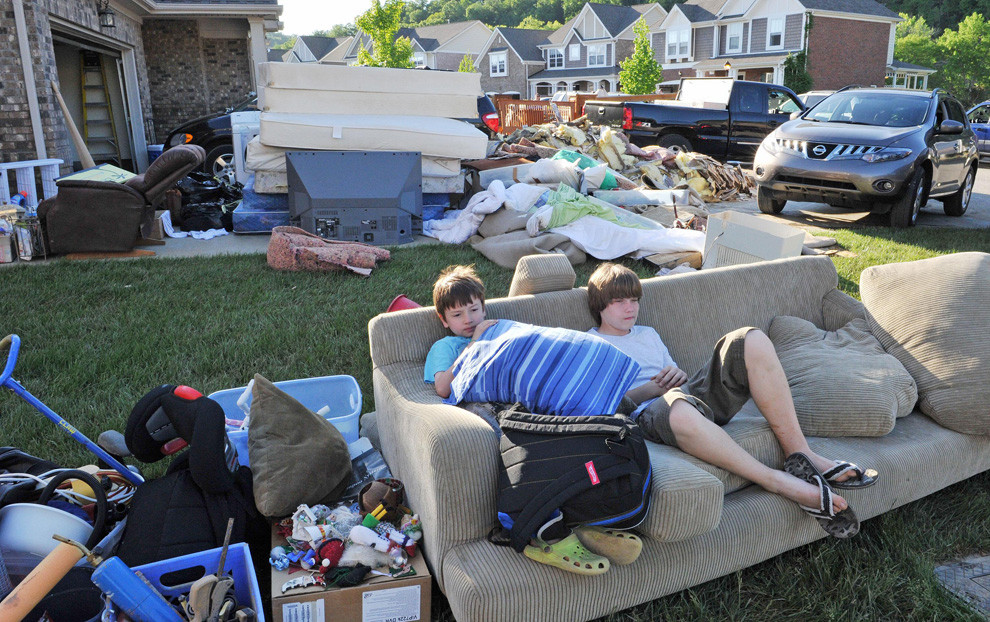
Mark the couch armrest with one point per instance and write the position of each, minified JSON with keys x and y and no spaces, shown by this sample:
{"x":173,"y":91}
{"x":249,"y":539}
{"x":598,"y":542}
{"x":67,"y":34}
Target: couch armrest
{"x":686,"y":501}
{"x":446,"y":457}
{"x":839,"y":308}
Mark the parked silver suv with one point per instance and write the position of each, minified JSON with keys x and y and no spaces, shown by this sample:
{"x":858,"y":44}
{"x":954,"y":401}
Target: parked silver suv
{"x":886,"y":150}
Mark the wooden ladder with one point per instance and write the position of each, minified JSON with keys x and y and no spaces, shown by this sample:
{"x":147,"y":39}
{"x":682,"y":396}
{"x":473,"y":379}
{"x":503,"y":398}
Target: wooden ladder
{"x":99,"y":127}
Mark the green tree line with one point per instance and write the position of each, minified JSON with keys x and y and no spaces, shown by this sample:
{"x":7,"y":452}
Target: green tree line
{"x":958,"y":54}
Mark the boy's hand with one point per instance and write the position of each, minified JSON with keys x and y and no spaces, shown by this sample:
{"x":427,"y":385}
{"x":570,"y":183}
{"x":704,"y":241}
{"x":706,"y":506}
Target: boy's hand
{"x":481,"y":328}
{"x":669,"y":377}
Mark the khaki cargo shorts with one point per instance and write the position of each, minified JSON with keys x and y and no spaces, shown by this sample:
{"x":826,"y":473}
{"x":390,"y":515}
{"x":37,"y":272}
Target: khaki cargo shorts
{"x":718,"y":390}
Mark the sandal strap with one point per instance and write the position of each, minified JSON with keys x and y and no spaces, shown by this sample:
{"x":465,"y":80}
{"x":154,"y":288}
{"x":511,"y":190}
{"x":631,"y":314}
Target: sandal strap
{"x":825,"y":509}
{"x":841,"y":468}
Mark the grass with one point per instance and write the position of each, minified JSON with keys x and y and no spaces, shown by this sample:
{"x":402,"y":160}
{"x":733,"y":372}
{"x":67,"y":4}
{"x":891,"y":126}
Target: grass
{"x":97,"y":335}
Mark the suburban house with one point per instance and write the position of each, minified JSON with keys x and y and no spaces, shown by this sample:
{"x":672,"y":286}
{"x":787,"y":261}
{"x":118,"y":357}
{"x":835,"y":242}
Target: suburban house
{"x":312,"y":49}
{"x":434,"y":47}
{"x":509,"y":58}
{"x":584,"y":53}
{"x":128,"y":70}
{"x":277,"y":56}
{"x":847,"y":42}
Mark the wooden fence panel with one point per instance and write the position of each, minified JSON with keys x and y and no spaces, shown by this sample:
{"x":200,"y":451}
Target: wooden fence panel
{"x":517,"y":113}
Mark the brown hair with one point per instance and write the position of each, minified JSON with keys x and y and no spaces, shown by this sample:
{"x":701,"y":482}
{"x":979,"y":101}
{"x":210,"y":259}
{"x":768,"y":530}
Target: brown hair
{"x":609,"y":282}
{"x":457,"y":285}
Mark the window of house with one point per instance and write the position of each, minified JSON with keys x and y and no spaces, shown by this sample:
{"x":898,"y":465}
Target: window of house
{"x":678,"y":43}
{"x":497,"y":64}
{"x":733,"y":37}
{"x":419,"y":59}
{"x":671,"y":44}
{"x":574,"y":51}
{"x":684,"y":42}
{"x":555,"y":59}
{"x":775,"y":32}
{"x":596,"y":55}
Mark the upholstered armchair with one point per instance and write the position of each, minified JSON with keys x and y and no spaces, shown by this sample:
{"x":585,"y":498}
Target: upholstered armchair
{"x":97,"y":216}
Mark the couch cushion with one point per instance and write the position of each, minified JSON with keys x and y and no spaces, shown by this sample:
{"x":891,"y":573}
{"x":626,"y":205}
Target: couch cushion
{"x":932,"y":315}
{"x":843,"y":383}
{"x":686,"y":500}
{"x":536,"y":274}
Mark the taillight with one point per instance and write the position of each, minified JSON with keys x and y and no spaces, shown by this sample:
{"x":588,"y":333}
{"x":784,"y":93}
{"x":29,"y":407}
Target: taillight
{"x":491,"y":120}
{"x":626,"y":118}
{"x":584,"y":109}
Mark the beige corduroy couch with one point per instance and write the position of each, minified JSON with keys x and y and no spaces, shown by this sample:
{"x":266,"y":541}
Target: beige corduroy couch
{"x":704,"y":522}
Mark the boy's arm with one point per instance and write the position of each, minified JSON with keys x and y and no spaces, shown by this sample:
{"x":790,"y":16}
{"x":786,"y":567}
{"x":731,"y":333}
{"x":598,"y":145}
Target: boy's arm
{"x":646,"y":391}
{"x":443,"y":379}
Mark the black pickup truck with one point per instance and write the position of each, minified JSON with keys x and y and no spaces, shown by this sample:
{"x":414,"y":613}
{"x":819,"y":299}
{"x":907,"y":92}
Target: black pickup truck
{"x":724,"y":118}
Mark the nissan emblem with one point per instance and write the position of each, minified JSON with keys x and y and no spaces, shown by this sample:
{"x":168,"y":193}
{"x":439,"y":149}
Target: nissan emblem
{"x":819,"y":150}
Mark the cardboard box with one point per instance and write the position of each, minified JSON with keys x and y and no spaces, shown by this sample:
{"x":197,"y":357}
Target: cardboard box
{"x":378,"y":599}
{"x":157,"y":230}
{"x":735,"y":238}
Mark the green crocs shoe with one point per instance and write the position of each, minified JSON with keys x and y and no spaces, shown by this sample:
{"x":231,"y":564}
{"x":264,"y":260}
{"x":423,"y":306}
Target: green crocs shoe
{"x":568,"y":554}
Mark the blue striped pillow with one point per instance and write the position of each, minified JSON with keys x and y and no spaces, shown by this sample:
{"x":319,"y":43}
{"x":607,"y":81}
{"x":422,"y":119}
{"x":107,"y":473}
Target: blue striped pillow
{"x":551,"y":371}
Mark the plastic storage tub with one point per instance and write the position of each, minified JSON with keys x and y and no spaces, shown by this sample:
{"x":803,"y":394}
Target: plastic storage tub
{"x":341,"y":393}
{"x":173,"y":577}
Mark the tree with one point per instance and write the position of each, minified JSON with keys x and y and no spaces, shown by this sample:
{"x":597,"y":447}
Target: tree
{"x":279,"y":41}
{"x":640,"y":72}
{"x":381,"y":23}
{"x":339,"y":30}
{"x":467,"y":65}
{"x":533,"y":23}
{"x":796,"y":76}
{"x":964,"y":52}
{"x":914,"y":42}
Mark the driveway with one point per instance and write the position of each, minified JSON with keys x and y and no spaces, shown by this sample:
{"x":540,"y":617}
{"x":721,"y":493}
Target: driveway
{"x":828,"y":217}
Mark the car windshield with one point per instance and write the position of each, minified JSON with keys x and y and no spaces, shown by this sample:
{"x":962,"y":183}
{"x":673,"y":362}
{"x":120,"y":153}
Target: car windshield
{"x":881,"y":109}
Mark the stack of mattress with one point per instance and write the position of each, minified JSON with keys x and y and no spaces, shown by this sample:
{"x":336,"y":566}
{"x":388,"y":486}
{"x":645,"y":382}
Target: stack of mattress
{"x":331,"y":107}
{"x":260,"y":213}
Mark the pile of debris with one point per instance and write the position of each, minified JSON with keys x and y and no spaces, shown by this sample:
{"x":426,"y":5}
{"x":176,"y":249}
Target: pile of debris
{"x":652,"y":167}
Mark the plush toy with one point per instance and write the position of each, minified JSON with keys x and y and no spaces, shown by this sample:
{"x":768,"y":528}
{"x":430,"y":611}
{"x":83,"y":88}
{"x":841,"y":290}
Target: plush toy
{"x":329,"y":554}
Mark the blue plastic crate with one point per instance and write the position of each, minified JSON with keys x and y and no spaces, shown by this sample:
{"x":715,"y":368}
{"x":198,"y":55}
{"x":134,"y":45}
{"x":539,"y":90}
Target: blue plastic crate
{"x":341,"y":393}
{"x":164,"y":575}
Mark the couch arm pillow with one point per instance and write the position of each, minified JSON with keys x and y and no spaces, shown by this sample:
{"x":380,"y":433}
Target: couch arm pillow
{"x":843,"y":383}
{"x":551,"y":371}
{"x":932,"y":315}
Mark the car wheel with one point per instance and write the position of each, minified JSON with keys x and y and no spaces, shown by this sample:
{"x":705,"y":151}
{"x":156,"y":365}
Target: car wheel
{"x":904,"y":213}
{"x":675,"y":142}
{"x":957,"y":204}
{"x":219,"y":160}
{"x":768,"y":204}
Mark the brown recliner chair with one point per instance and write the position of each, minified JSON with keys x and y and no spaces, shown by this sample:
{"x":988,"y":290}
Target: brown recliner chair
{"x":98,"y":216}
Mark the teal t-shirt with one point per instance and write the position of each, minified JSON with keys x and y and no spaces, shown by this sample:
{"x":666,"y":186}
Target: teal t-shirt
{"x":442,"y":355}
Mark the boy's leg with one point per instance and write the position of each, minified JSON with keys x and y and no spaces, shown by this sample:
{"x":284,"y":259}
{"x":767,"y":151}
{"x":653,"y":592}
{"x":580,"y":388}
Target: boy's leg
{"x":771,"y":393}
{"x":702,"y":438}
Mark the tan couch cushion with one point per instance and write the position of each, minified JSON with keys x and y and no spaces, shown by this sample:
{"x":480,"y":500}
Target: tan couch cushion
{"x":932,"y":315}
{"x":536,"y":274}
{"x":843,"y":383}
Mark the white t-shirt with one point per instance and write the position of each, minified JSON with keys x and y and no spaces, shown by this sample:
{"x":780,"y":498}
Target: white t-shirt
{"x":643,"y":345}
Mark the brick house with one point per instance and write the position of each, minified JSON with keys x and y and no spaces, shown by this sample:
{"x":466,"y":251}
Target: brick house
{"x":847,"y":41}
{"x":434,"y":47}
{"x":584,"y":53}
{"x":509,"y":58}
{"x":161,"y":63}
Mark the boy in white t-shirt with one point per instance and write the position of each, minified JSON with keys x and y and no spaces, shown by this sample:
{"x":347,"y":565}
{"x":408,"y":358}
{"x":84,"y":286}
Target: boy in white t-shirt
{"x":689,"y":413}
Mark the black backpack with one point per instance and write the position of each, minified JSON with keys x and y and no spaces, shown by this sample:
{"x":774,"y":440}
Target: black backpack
{"x":596,"y":470}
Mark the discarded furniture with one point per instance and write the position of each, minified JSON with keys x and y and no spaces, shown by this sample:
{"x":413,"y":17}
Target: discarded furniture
{"x":24,"y":172}
{"x":704,"y":522}
{"x":96,"y":216}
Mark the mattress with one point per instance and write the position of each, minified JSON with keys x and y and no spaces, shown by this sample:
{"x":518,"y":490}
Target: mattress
{"x":261,"y":157}
{"x":260,"y":213}
{"x":271,"y":99}
{"x":432,"y":136}
{"x":341,"y":78}
{"x":271,"y":182}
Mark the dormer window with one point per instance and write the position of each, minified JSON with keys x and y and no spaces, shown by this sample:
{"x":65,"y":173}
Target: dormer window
{"x":733,"y":38}
{"x":555,"y":58}
{"x":419,"y":59}
{"x":775,"y":33}
{"x":678,"y":43}
{"x":496,"y":64}
{"x":596,"y":55}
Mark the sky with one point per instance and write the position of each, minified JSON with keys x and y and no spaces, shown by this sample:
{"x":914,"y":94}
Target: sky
{"x":302,"y":17}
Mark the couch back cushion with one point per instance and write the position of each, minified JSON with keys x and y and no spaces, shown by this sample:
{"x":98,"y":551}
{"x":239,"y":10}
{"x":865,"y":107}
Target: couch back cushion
{"x":690,"y":311}
{"x":932,"y":315}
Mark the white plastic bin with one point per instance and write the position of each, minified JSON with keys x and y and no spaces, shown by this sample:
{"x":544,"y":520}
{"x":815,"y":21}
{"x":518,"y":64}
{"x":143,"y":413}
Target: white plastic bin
{"x":341,"y":393}
{"x":735,"y":238}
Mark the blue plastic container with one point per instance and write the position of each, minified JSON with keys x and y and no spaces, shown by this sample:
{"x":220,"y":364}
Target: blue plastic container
{"x":166,"y":575}
{"x":154,"y":151}
{"x":341,"y":393}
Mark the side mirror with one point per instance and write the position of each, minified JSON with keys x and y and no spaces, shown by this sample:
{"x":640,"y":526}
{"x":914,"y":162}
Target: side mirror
{"x":795,"y":114}
{"x":950,"y":127}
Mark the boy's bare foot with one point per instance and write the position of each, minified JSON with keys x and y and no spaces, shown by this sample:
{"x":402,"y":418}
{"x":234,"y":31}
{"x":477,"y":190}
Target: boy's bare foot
{"x":802,"y":492}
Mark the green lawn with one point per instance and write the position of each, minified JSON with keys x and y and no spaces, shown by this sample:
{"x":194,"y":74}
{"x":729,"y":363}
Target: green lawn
{"x":97,"y":335}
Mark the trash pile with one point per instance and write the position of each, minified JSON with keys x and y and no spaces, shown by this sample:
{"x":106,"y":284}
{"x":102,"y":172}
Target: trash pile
{"x":653,"y":167}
